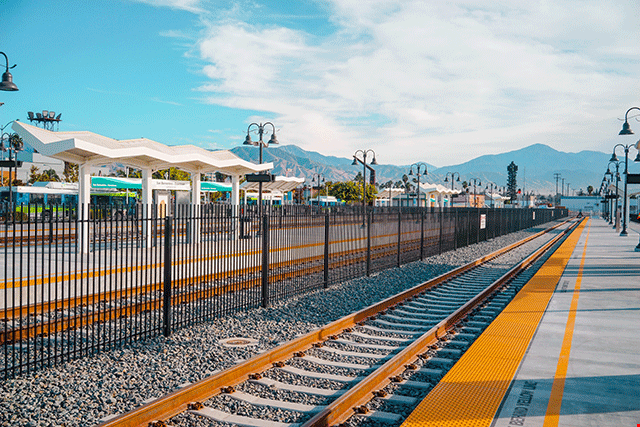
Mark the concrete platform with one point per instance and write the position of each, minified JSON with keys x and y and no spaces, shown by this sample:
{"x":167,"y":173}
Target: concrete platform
{"x":583,"y":365}
{"x":565,"y":352}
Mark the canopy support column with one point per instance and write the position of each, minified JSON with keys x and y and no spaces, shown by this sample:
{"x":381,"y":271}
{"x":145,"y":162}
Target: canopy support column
{"x":84,"y":198}
{"x":147,"y":199}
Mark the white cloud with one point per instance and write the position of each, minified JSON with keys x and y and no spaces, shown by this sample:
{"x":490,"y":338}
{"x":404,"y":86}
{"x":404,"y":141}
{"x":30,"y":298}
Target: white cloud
{"x":193,"y":6}
{"x":431,"y":80}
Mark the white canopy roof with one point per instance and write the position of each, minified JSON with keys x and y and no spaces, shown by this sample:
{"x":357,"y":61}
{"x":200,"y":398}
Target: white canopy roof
{"x":282,"y":184}
{"x":86,"y":147}
{"x":435,"y":188}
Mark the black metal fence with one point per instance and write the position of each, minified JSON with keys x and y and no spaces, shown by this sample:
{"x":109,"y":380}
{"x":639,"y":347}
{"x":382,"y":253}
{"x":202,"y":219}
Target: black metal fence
{"x":78,"y":284}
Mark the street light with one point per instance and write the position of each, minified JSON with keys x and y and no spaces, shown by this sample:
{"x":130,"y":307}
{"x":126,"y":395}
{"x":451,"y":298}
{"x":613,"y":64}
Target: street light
{"x":7,"y":79}
{"x":356,"y":160}
{"x":610,"y":175}
{"x":261,"y":144}
{"x":318,"y":182}
{"x":453,"y":174}
{"x":614,"y":158}
{"x":475,"y":181}
{"x":604,"y":187}
{"x":419,"y":168}
{"x":491,"y":193}
{"x":15,"y":146}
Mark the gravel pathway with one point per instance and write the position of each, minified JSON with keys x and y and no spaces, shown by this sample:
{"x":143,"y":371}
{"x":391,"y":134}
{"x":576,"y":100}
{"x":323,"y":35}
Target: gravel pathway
{"x":84,"y":392}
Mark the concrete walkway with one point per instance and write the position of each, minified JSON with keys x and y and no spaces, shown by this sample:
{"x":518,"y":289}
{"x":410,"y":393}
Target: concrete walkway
{"x":583,"y":365}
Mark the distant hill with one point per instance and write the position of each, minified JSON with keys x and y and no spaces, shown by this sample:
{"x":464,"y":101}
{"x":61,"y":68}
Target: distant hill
{"x":536,"y":165}
{"x":292,"y":160}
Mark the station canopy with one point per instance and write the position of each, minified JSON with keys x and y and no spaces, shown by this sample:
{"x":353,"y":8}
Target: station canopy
{"x":282,"y":184}
{"x":88,"y":148}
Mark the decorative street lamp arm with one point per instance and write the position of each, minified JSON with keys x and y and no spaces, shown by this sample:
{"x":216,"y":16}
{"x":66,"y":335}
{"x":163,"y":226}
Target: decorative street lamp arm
{"x":7,"y":61}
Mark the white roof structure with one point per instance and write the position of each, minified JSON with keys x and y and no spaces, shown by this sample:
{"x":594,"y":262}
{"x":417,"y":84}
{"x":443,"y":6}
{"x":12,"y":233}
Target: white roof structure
{"x":436,"y":188}
{"x":86,"y":147}
{"x":282,"y":184}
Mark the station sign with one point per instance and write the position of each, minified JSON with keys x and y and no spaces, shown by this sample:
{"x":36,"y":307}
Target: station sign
{"x":10,"y":163}
{"x":633,"y":178}
{"x":260,"y":177}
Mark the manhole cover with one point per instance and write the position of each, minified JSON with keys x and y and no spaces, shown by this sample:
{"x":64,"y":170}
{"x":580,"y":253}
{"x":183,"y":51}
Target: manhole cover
{"x":238,"y":342}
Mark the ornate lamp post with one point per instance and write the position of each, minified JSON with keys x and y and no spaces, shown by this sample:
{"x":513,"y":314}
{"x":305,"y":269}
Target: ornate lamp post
{"x":356,"y":160}
{"x":453,"y":175}
{"x":421,"y":169}
{"x":318,"y":179}
{"x":476,"y":181}
{"x":261,"y":144}
{"x":617,"y":177}
{"x":490,"y":184}
{"x":614,"y":158}
{"x":15,"y":145}
{"x":605,"y":191}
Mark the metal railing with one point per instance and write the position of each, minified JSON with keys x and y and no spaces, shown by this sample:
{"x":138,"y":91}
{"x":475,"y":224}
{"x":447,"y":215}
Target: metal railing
{"x":78,"y":283}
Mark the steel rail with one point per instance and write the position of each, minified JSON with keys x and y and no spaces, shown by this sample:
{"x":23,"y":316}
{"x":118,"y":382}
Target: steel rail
{"x":49,"y":280}
{"x":343,"y":408}
{"x":178,"y":401}
{"x":75,"y":322}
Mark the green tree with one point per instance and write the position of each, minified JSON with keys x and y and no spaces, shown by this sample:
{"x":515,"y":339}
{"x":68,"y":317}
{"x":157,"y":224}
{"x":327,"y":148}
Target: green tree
{"x":34,"y":174}
{"x":49,"y":175}
{"x":349,"y":191}
{"x":590,"y":190}
{"x":512,"y":186}
{"x":173,"y":174}
{"x":129,"y":173}
{"x":70,"y":173}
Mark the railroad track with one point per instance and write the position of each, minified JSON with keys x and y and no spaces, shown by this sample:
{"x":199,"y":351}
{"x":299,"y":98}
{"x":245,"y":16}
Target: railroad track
{"x":359,"y":365}
{"x":183,"y":293}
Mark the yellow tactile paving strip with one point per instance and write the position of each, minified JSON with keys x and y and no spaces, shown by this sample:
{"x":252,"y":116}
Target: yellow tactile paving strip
{"x":471,"y":392}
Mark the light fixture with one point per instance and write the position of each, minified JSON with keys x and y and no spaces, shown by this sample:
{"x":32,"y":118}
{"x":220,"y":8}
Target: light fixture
{"x":7,"y":79}
{"x":626,"y":129}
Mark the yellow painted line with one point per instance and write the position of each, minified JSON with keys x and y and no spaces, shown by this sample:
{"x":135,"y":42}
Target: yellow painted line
{"x":472,"y":391}
{"x":552,"y":417}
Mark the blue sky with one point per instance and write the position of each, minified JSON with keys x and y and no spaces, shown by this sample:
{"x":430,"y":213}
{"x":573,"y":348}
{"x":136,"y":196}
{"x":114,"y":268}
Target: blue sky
{"x":433,"y":81}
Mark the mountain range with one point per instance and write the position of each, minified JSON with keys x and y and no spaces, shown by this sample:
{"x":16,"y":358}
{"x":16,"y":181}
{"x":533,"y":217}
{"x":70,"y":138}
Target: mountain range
{"x":536,"y":163}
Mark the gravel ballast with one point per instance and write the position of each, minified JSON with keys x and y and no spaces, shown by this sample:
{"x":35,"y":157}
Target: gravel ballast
{"x":86,"y":391}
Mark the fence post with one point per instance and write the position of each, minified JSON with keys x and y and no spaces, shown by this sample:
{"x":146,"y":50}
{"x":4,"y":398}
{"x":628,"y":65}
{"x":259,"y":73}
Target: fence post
{"x":399,"y":235}
{"x":455,"y":229}
{"x":468,"y":226}
{"x":368,"y":244}
{"x":441,"y":214}
{"x":422,"y":233}
{"x":166,"y":307}
{"x":326,"y":250}
{"x":265,"y":260}
{"x":50,"y":225}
